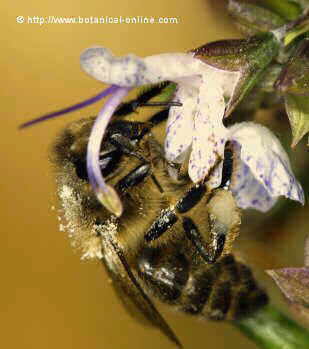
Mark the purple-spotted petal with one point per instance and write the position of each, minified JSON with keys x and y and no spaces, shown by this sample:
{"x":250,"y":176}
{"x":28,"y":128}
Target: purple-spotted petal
{"x":209,"y":133}
{"x":247,"y":191}
{"x":215,"y":177}
{"x":105,"y":193}
{"x":180,"y":124}
{"x":130,"y":70}
{"x":262,"y":164}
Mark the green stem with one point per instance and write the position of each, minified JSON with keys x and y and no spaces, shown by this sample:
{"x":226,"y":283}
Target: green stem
{"x":271,"y":329}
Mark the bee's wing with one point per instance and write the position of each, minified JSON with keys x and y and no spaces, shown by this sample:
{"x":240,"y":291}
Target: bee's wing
{"x":130,"y":291}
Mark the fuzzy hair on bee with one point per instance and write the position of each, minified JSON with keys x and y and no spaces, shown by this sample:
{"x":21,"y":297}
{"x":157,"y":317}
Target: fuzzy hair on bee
{"x":173,"y":241}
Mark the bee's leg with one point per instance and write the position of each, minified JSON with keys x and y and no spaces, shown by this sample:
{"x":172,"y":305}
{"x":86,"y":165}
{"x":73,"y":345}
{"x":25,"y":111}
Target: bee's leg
{"x":124,"y":144}
{"x":191,"y":198}
{"x":218,"y":232}
{"x":210,"y":250}
{"x":227,"y":167}
{"x":166,"y":219}
{"x":193,"y":234}
{"x":213,"y":249}
{"x":134,"y":177}
{"x":168,"y":216}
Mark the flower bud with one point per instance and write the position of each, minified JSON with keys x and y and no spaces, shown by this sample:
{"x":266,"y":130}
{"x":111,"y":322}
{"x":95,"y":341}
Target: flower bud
{"x":251,"y":18}
{"x":294,"y":78}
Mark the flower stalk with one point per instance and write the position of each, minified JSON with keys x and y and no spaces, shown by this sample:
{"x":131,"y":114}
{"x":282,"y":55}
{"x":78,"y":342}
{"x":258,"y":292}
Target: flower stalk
{"x":271,"y":329}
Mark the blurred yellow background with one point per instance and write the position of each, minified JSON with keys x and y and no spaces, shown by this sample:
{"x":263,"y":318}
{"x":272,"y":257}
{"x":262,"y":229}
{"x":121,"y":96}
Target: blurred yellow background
{"x":49,"y":298}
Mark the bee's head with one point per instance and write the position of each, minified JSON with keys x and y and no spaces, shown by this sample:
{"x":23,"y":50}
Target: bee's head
{"x":122,"y":139}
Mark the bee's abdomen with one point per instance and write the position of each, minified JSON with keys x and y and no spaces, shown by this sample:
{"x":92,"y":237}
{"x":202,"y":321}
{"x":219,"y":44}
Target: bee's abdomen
{"x":222,"y":291}
{"x":225,"y":290}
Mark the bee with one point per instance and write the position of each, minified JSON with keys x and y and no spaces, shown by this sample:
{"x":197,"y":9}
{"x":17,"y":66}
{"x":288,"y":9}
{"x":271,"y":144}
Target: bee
{"x":172,"y":242}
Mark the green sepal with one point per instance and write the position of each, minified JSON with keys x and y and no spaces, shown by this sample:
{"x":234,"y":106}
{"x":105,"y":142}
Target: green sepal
{"x":294,"y":78}
{"x":250,"y":57}
{"x":269,"y":77}
{"x":287,"y":9}
{"x":297,"y":108}
{"x":263,"y":95}
{"x":251,"y":18}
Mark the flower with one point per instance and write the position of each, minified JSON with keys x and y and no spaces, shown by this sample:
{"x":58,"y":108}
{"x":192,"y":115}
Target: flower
{"x":201,"y":89}
{"x":261,"y":168}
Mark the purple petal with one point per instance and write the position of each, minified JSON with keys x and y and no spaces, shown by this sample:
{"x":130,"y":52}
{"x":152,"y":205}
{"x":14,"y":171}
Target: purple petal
{"x":209,"y":133}
{"x":70,"y":109}
{"x":130,"y":70}
{"x":105,"y":193}
{"x":264,"y":161}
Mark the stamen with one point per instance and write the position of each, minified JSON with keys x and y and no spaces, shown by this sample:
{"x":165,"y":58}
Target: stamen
{"x":105,"y":193}
{"x":70,"y":109}
{"x":156,"y":104}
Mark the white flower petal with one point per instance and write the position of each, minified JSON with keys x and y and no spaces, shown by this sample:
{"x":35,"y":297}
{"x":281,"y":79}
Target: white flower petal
{"x":215,"y":177}
{"x":267,"y":161}
{"x":130,"y":70}
{"x":229,"y":81}
{"x":179,"y":127}
{"x":209,"y":133}
{"x":247,"y":191}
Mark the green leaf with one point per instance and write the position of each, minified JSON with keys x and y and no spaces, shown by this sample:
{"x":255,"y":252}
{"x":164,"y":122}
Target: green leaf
{"x":252,"y":19}
{"x":297,"y":108}
{"x":288,"y":9}
{"x":303,"y":3}
{"x":249,"y":56}
{"x":263,"y":95}
{"x":292,"y":35}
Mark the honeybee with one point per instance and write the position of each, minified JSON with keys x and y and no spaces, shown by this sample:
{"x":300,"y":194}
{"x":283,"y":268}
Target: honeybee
{"x":174,"y":238}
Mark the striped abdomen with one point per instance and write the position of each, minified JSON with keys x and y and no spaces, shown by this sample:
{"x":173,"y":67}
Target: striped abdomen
{"x":225,"y":290}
